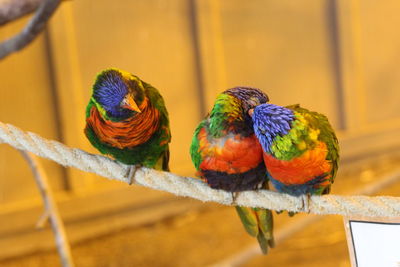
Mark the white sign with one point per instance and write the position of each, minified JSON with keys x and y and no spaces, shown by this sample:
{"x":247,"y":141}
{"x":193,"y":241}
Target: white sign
{"x":374,"y":242}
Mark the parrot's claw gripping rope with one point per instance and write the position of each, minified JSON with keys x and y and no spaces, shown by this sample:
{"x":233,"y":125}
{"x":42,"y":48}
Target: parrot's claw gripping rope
{"x":234,"y":197}
{"x":131,"y":174}
{"x":377,"y":206}
{"x":306,"y":203}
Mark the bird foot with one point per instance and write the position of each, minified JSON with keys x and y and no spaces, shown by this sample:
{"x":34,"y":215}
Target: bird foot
{"x":306,"y":203}
{"x":132,"y":172}
{"x":234,"y":197}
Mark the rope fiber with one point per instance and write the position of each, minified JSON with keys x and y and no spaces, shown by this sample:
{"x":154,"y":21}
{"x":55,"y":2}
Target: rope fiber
{"x":379,"y":206}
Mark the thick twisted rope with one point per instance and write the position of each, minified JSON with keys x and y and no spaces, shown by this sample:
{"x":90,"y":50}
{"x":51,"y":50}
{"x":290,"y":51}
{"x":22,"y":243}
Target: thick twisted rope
{"x":194,"y":188}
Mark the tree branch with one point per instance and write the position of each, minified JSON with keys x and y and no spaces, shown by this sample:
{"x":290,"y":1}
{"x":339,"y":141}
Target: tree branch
{"x":51,"y":209}
{"x":13,"y":9}
{"x":31,"y":30}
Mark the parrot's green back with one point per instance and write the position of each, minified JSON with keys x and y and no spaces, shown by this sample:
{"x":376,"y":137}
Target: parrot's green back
{"x":326,"y":135}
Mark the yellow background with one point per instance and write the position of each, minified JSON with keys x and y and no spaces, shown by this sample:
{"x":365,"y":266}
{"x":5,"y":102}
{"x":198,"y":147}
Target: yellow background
{"x":336,"y":57}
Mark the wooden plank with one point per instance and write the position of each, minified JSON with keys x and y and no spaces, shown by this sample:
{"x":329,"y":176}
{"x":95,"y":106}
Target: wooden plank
{"x":369,"y":143}
{"x":69,"y":89}
{"x":352,"y":64}
{"x":380,"y":43}
{"x":283,"y":48}
{"x":211,"y":47}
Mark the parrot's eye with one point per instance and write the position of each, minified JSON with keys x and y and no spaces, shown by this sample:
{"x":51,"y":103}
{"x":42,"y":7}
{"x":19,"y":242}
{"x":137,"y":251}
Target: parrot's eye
{"x":124,"y":102}
{"x":255,"y":101}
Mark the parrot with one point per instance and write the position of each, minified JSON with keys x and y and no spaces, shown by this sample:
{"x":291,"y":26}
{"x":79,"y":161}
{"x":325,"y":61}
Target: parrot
{"x":300,"y":149}
{"x":228,"y":156}
{"x":126,"y":119}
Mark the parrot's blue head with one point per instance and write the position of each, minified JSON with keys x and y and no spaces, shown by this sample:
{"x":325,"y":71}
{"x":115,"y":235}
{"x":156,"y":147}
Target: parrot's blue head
{"x":118,"y":93}
{"x":269,"y":121}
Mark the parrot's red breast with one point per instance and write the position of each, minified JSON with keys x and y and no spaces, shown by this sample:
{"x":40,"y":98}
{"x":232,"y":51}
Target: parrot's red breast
{"x":128,"y":133}
{"x":299,"y":170}
{"x":230,"y":154}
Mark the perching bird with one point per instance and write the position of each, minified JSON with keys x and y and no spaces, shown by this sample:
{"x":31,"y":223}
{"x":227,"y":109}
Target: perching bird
{"x":301,"y":151}
{"x":126,"y":118}
{"x":228,"y":156}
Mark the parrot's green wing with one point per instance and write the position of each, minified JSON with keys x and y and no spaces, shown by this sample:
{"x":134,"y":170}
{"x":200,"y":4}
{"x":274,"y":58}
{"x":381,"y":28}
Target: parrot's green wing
{"x":327,"y":135}
{"x":165,"y":137}
{"x":194,"y":147}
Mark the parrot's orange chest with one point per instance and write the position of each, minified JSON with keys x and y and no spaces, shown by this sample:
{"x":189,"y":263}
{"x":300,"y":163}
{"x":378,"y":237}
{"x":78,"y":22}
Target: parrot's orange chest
{"x":230,"y":154}
{"x":299,"y":170}
{"x":128,"y":133}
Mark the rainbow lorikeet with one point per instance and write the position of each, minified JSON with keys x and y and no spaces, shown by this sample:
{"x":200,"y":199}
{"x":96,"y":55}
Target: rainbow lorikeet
{"x":301,"y":151}
{"x":228,"y":156}
{"x":126,"y":118}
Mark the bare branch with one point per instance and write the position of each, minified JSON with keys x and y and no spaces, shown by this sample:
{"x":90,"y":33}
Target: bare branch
{"x":31,"y":30}
{"x":13,"y":9}
{"x":51,"y":209}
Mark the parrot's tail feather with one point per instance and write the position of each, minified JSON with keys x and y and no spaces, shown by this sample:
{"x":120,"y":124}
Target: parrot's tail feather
{"x":263,"y":242}
{"x":165,"y":163}
{"x":258,"y":223}
{"x":162,"y":162}
{"x":271,"y":242}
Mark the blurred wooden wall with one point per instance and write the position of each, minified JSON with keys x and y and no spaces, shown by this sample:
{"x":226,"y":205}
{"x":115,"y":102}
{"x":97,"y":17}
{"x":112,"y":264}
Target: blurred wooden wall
{"x":337,"y":57}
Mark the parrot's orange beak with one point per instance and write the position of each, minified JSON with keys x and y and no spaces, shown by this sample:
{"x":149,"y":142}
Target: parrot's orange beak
{"x":251,"y":111}
{"x":129,"y":103}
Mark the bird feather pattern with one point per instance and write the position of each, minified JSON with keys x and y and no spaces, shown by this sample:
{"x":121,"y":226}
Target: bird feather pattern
{"x":126,"y":119}
{"x":228,"y":156}
{"x":301,"y":151}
